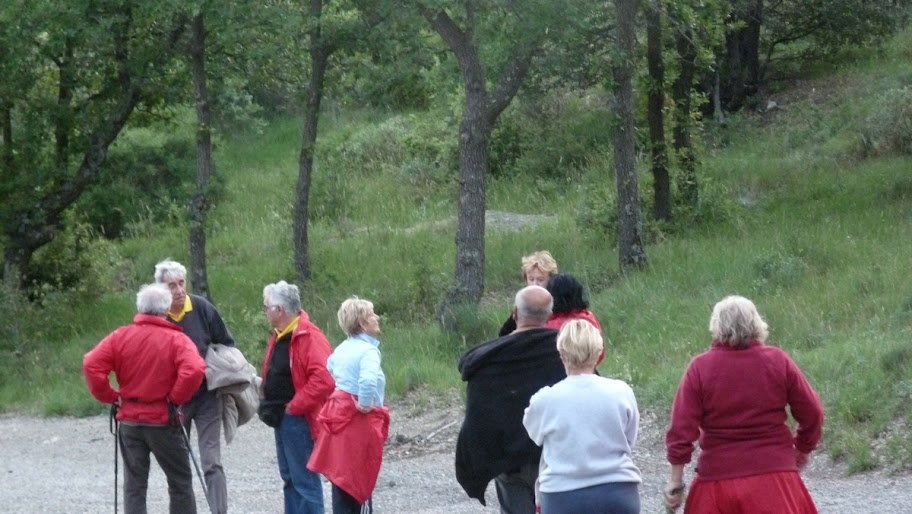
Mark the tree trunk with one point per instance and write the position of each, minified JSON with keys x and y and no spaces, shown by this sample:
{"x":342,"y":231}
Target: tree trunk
{"x":631,"y":254}
{"x":6,"y":125}
{"x":717,"y":99}
{"x":63,"y":124}
{"x":474,"y":134}
{"x":656,"y":112}
{"x":683,"y":145}
{"x":199,"y":205}
{"x":319,"y":61}
{"x":481,"y":111}
{"x":742,"y":73}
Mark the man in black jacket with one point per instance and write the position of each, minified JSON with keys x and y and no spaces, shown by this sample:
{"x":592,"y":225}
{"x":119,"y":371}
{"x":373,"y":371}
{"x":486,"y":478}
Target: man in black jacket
{"x":204,"y":326}
{"x":501,"y":376}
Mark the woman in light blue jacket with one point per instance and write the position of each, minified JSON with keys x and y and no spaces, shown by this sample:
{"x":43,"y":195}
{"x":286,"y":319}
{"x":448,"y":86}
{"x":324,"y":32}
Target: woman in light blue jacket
{"x":356,"y":423}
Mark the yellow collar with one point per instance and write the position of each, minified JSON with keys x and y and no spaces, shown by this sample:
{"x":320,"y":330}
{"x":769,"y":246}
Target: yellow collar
{"x":188,"y":306}
{"x":290,"y":328}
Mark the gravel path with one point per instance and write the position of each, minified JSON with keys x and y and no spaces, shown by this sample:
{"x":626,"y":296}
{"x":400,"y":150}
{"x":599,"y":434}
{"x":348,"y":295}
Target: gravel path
{"x":65,"y":465}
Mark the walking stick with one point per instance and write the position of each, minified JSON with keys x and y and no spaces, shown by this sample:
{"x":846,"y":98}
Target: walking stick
{"x":199,"y":473}
{"x":114,"y":427}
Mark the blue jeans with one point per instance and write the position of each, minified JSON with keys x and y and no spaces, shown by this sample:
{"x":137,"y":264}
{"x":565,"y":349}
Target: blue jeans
{"x":613,"y":497}
{"x":294,"y":444}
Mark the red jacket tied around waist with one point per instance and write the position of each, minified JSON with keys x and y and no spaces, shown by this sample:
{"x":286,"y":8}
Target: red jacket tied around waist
{"x":350,"y":449}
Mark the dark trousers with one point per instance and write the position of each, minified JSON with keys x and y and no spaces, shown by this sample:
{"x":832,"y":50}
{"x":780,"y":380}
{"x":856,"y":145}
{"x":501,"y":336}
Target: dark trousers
{"x":343,"y":503}
{"x":516,"y":490}
{"x":167,"y":445}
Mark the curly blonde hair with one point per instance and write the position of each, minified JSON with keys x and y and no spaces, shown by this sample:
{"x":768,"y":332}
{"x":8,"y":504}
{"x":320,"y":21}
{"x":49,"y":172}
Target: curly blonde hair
{"x":541,"y":260}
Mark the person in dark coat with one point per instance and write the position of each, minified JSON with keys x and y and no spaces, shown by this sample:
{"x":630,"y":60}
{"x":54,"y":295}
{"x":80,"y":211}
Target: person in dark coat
{"x":203,"y":324}
{"x":501,"y":376}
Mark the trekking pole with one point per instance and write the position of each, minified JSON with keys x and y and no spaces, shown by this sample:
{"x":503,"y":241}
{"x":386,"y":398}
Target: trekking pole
{"x":115,"y":429}
{"x":199,"y":473}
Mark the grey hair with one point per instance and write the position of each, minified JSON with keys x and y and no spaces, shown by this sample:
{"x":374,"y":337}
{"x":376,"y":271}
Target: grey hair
{"x":736,"y":322}
{"x":283,"y":294}
{"x":153,"y":299}
{"x":531,"y":311}
{"x":352,"y":312}
{"x":170,"y":267}
{"x":580,"y":343}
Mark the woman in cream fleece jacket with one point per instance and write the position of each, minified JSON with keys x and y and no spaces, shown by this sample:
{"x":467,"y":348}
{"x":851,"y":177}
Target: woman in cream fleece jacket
{"x":586,"y":425}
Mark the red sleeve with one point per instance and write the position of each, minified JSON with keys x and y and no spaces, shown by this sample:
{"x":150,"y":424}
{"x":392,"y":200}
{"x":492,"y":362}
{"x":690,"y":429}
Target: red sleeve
{"x":97,"y":366}
{"x":806,"y":408}
{"x":686,"y":412}
{"x":310,"y":356}
{"x":191,"y":368}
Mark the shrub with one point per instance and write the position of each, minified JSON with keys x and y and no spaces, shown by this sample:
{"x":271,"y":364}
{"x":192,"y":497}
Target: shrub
{"x":434,"y":139}
{"x":715,"y":204}
{"x":779,"y":270}
{"x":330,"y":196}
{"x":396,"y":140}
{"x":598,"y":210}
{"x":17,"y":323}
{"x":142,"y":179}
{"x":578,"y":130}
{"x":76,"y":261}
{"x":889,"y":128}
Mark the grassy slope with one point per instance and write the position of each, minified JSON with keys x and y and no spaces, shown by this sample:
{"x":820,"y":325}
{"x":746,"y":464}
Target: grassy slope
{"x":817,"y":238}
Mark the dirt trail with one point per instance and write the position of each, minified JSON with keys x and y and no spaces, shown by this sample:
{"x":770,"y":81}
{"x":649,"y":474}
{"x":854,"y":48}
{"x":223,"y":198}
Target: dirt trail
{"x":65,"y":465}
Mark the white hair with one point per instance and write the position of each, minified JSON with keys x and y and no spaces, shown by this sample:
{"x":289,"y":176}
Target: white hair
{"x":153,"y":299}
{"x":170,"y":268}
{"x":284,"y":295}
{"x":736,"y":322}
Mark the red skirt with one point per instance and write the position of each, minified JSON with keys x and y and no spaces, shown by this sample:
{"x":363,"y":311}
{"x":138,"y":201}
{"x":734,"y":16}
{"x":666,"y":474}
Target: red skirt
{"x":769,"y":493}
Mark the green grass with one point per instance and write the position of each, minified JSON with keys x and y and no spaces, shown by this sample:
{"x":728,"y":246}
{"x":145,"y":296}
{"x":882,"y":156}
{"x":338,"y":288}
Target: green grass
{"x":815,"y":233}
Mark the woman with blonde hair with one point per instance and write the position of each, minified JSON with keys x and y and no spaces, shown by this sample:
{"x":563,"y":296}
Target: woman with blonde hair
{"x":355,"y":422}
{"x":587,"y":426}
{"x":537,"y":269}
{"x":735,"y":398}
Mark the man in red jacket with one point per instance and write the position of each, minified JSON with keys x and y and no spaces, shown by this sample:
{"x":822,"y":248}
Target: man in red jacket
{"x":155,"y":365}
{"x":296,"y":383}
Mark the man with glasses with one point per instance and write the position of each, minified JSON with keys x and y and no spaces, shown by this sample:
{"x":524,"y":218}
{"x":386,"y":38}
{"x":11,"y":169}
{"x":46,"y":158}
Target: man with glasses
{"x":296,"y":383}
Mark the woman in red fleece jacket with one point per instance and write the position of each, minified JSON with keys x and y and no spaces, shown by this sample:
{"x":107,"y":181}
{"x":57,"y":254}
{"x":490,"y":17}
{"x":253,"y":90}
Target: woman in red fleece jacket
{"x":570,"y":304}
{"x":733,"y":397}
